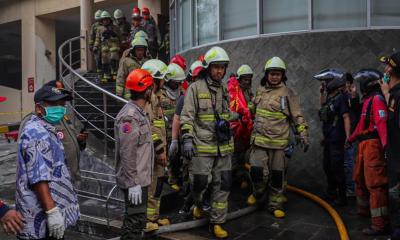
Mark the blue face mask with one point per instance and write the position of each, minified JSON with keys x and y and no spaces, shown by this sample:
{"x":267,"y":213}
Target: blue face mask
{"x":54,"y":114}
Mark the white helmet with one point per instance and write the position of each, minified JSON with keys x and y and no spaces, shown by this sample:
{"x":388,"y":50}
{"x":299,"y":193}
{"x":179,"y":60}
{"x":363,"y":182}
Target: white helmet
{"x":118,"y":14}
{"x":97,"y":15}
{"x":194,"y":65}
{"x":244,"y":70}
{"x":175,"y":73}
{"x":156,"y":68}
{"x":215,"y":55}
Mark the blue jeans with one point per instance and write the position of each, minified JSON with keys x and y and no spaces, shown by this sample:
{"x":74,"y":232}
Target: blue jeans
{"x":349,"y":156}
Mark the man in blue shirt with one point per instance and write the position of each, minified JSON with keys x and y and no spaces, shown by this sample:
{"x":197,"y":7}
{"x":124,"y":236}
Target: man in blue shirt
{"x":44,"y":195}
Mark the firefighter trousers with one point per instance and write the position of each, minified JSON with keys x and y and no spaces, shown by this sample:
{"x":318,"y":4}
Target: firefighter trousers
{"x":154,"y":193}
{"x":213,"y":172}
{"x":372,"y":181}
{"x":268,"y":175}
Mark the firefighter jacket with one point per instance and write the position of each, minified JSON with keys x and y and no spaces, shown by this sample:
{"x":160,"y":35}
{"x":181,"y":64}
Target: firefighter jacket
{"x":198,"y":119}
{"x":277,"y":110}
{"x":156,"y":117}
{"x":108,"y":37}
{"x":168,"y":106}
{"x":126,"y":65}
{"x":134,"y":147}
{"x":92,"y":33}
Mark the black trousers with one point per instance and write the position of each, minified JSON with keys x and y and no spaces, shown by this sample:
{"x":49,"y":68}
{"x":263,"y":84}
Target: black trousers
{"x":334,"y":168}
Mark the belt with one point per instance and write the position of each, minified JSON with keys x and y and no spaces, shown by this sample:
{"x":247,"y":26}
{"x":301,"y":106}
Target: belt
{"x":368,"y":136}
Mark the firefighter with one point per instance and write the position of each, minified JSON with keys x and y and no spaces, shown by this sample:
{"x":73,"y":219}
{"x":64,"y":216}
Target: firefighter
{"x":240,"y":163}
{"x":135,"y":58}
{"x":168,"y":99}
{"x":151,"y":29}
{"x":157,"y":69}
{"x":207,"y":139}
{"x":107,"y":43}
{"x":336,"y":128}
{"x":124,"y":28}
{"x":370,"y":173}
{"x":136,"y":24}
{"x":92,"y":38}
{"x":134,"y":153}
{"x":277,"y":110}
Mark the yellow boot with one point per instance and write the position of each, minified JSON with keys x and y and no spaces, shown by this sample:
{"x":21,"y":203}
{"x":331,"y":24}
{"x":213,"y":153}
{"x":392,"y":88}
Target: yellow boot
{"x":163,"y":222}
{"x":251,"y":200}
{"x":197,"y":212}
{"x":279,"y":213}
{"x":218,"y":231}
{"x":175,"y":187}
{"x":150,"y":226}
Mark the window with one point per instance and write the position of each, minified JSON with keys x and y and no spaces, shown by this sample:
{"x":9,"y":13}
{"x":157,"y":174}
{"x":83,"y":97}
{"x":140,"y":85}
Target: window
{"x":339,"y":13}
{"x":284,"y":15}
{"x":184,"y":24}
{"x":385,"y":12}
{"x":238,"y":18}
{"x":207,"y":21}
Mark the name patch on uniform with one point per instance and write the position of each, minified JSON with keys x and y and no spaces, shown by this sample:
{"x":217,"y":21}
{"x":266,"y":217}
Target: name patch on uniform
{"x":60,"y":134}
{"x":126,"y":127}
{"x":382,"y":113}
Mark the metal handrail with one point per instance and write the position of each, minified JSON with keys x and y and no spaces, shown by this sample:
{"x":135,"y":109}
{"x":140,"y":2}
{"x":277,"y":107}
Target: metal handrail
{"x":68,"y":75}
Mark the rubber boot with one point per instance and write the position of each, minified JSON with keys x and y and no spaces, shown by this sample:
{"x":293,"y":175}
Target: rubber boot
{"x":150,"y":226}
{"x":251,"y":200}
{"x":279,"y":213}
{"x":197,"y":212}
{"x":218,"y":231}
{"x":163,"y":222}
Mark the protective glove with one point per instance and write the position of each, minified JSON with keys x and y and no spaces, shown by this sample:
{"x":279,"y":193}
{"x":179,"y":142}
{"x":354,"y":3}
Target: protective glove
{"x":188,"y":149}
{"x":304,"y":143}
{"x":173,"y":148}
{"x":135,"y":195}
{"x":55,"y":223}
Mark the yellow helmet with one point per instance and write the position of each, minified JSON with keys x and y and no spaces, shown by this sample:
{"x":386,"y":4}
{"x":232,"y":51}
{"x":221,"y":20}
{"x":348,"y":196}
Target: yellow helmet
{"x":215,"y":55}
{"x":244,"y":70}
{"x":156,"y":68}
{"x":142,"y":34}
{"x":275,"y":63}
{"x":97,"y":15}
{"x":139,"y":42}
{"x":105,"y":14}
{"x":175,"y":73}
{"x":118,"y":14}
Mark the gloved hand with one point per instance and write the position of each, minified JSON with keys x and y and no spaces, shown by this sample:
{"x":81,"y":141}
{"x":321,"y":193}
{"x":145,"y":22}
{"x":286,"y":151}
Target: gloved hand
{"x":173,"y":148}
{"x":55,"y":223}
{"x":304,"y":143}
{"x":135,"y":195}
{"x":188,"y":148}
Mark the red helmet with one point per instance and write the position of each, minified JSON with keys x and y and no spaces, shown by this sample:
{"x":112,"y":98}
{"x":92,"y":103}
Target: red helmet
{"x":181,"y":61}
{"x":139,"y":80}
{"x":136,"y":12}
{"x":3,"y":99}
{"x":145,"y":11}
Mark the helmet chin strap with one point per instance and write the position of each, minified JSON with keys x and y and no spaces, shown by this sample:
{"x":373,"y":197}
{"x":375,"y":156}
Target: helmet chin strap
{"x":173,"y":94}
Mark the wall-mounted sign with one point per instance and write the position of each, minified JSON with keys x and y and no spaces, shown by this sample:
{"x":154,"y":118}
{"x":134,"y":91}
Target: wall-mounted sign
{"x":31,"y":85}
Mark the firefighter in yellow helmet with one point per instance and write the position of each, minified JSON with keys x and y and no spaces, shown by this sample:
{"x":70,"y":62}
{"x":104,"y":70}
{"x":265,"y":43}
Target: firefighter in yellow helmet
{"x":92,"y":37}
{"x":277,"y":111}
{"x":124,"y":28}
{"x":135,"y":57}
{"x":158,"y":70}
{"x":207,"y":138}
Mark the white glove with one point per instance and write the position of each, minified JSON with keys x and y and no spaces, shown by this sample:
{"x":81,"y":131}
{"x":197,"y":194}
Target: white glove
{"x":55,"y":223}
{"x":135,"y":195}
{"x":173,"y":148}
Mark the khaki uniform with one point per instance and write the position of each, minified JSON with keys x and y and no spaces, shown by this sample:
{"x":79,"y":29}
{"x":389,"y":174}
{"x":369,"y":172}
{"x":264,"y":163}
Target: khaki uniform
{"x":126,"y":65}
{"x":107,"y":40}
{"x":156,"y":118}
{"x":276,"y":109}
{"x":124,"y":31}
{"x":212,"y":163}
{"x":92,"y":38}
{"x":134,"y":164}
{"x":72,"y":147}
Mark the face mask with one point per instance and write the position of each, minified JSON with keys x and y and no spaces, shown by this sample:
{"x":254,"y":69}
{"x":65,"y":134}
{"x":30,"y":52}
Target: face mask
{"x":54,"y":114}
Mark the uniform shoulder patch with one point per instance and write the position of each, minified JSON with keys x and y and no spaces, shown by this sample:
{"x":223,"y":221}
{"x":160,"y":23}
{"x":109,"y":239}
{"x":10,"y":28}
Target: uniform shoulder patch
{"x":382,"y":113}
{"x":126,"y":127}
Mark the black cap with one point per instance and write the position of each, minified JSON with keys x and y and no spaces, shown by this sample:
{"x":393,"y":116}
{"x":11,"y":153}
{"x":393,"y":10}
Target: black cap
{"x":52,"y":94}
{"x":393,"y":60}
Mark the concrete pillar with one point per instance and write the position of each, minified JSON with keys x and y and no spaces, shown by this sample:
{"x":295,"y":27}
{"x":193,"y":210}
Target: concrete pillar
{"x":153,"y":5}
{"x":28,"y":42}
{"x":45,"y":50}
{"x":86,"y":22}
